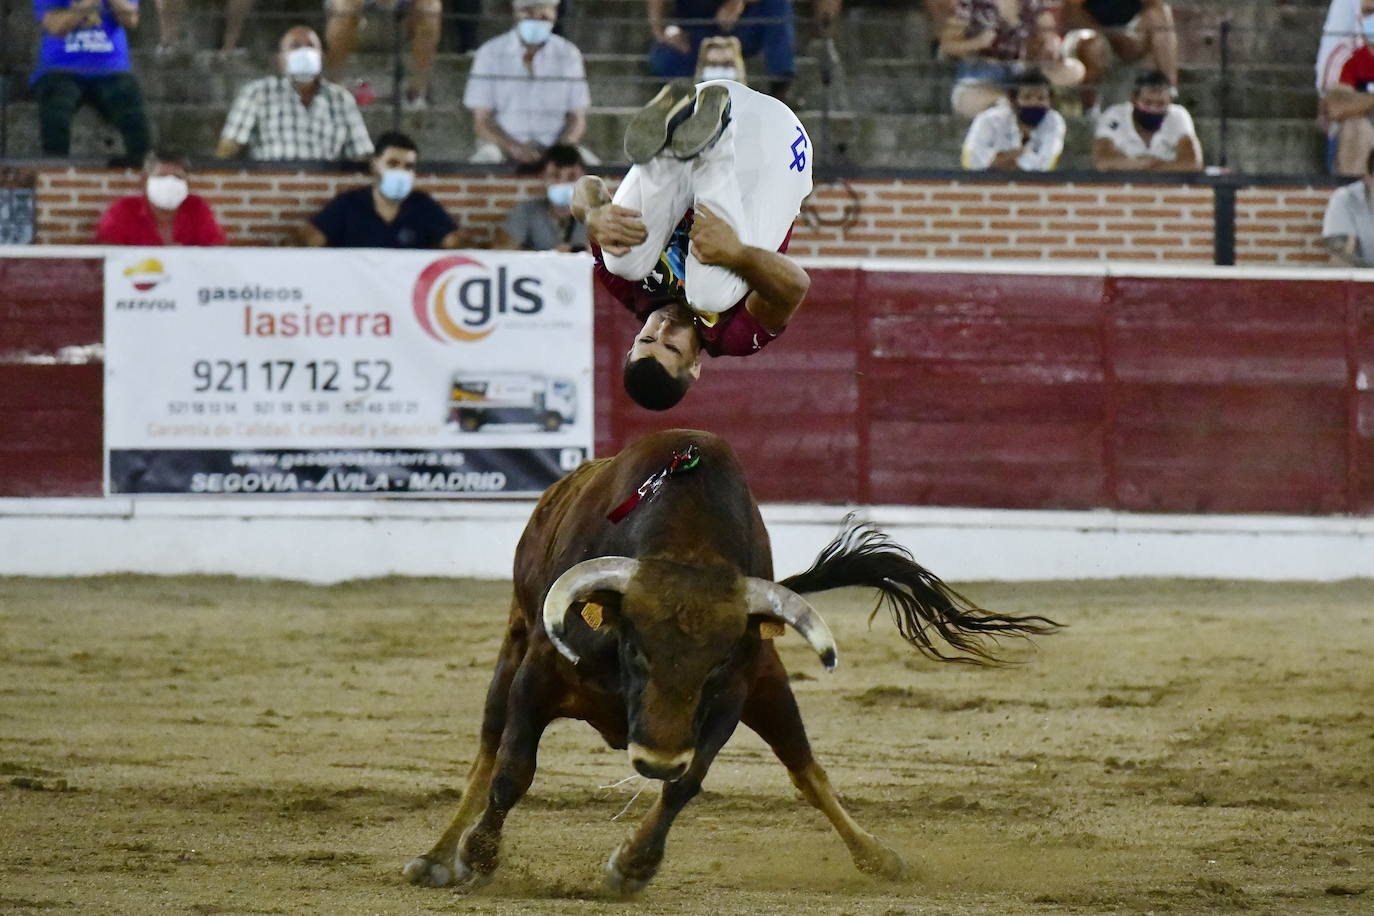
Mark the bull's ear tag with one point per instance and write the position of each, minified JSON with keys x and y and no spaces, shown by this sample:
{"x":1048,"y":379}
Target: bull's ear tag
{"x":592,"y":614}
{"x":771,"y":629}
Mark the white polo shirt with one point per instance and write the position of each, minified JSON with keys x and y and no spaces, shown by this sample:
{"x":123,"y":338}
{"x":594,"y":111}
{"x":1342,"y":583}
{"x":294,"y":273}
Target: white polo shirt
{"x":1348,"y":213}
{"x":997,"y":130}
{"x":1116,"y":125}
{"x":530,"y":106}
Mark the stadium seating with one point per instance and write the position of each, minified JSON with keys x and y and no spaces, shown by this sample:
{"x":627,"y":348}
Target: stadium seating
{"x":888,"y":101}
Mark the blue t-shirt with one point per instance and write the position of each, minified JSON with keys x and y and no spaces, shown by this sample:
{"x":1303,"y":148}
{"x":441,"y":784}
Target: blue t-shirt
{"x":351,"y":221}
{"x":96,"y":47}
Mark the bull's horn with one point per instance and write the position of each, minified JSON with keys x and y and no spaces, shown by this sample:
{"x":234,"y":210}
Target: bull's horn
{"x":611,"y":573}
{"x":766,"y":597}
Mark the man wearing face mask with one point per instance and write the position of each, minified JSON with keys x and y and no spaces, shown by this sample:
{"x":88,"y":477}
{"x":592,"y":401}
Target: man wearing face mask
{"x":528,"y":90}
{"x":297,"y":115}
{"x":1147,"y":134}
{"x":166,"y":213}
{"x":1025,"y":134}
{"x":546,"y":223}
{"x":388,"y":213}
{"x":1345,"y":75}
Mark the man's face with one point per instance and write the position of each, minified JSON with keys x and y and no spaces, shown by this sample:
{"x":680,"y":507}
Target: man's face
{"x":1153,"y":99}
{"x":393,"y":158}
{"x":548,"y":13}
{"x":168,"y":168}
{"x":1033,"y":97}
{"x":1366,"y":7}
{"x":669,"y":337}
{"x":560,"y":174}
{"x":299,"y":37}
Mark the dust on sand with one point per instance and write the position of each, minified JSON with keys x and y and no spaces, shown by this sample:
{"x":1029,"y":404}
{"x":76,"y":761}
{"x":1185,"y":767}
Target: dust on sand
{"x":210,"y":745}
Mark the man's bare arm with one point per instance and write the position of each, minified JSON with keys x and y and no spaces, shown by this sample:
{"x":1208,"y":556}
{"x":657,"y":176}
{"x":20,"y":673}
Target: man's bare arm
{"x":615,"y":229}
{"x":1341,"y":251}
{"x":125,"y":12}
{"x":777,"y":285}
{"x":60,"y":22}
{"x":1341,"y":103}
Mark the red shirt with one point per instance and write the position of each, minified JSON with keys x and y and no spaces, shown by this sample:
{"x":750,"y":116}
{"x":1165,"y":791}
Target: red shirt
{"x":1358,"y":71}
{"x":130,"y":221}
{"x":735,"y":332}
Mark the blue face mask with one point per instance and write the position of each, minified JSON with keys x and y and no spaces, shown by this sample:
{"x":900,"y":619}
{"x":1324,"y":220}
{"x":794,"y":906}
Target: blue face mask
{"x":396,"y":184}
{"x":534,"y":31}
{"x":1367,"y":26}
{"x":561,"y":194}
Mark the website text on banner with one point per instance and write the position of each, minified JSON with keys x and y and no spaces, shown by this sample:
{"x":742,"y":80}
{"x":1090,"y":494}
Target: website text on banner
{"x":387,"y":373}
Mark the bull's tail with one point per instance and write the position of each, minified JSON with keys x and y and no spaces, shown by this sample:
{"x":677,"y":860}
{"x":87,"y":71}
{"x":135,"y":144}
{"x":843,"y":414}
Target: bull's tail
{"x":922,"y":606}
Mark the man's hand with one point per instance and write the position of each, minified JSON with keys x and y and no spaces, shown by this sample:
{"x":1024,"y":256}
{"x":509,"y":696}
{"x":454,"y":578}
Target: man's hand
{"x":523,"y":153}
{"x":713,"y":240}
{"x":616,"y":229}
{"x":728,"y":15}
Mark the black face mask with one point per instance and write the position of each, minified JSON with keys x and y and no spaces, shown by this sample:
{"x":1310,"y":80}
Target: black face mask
{"x":1032,"y":115}
{"x":1148,"y":120}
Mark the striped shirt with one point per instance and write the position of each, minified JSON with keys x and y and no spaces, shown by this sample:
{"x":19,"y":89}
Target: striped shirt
{"x":530,"y":103}
{"x":268,"y":117}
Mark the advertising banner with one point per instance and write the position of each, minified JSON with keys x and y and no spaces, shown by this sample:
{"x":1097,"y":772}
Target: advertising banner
{"x":326,"y":372}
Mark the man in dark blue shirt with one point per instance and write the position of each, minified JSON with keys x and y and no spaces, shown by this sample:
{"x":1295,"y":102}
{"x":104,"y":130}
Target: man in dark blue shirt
{"x":388,"y":213}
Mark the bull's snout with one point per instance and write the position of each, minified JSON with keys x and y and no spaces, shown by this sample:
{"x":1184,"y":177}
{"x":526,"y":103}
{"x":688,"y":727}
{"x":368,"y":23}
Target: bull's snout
{"x":654,"y":765}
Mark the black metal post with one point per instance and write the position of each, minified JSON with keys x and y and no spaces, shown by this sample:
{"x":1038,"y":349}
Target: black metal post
{"x":1224,"y":94}
{"x":1224,"y":223}
{"x":397,"y":63}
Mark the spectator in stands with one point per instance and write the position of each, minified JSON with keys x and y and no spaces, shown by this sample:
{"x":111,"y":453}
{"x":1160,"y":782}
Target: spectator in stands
{"x":171,"y":35}
{"x":1147,"y":134}
{"x":994,"y":40}
{"x":528,"y":90}
{"x":1024,"y":133}
{"x":422,"y":22}
{"x":760,"y":25}
{"x":389,"y":212}
{"x":721,"y":58}
{"x":546,"y":223}
{"x":1348,"y":227}
{"x":1345,"y":74}
{"x":235,"y":15}
{"x":84,"y":58}
{"x":1133,"y":29}
{"x":166,"y":213}
{"x":297,"y":115}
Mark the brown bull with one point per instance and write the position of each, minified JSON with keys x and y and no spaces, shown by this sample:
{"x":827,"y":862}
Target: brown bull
{"x":649,"y":630}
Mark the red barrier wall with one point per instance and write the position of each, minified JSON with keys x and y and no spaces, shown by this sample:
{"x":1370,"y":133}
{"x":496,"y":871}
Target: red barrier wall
{"x":1216,"y":394}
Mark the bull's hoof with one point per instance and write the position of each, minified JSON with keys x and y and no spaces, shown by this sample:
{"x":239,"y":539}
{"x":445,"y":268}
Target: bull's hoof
{"x":427,"y":872}
{"x":882,"y":861}
{"x":620,"y":884}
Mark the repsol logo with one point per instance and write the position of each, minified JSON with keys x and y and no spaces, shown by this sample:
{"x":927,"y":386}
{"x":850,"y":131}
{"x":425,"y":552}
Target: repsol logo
{"x":145,"y":305}
{"x":249,"y":292}
{"x":460,"y":298}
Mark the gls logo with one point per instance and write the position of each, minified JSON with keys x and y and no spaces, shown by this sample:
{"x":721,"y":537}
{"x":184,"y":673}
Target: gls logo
{"x":464,"y":287}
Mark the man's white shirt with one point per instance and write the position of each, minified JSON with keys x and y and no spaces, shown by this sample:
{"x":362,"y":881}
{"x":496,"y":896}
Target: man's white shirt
{"x":1116,"y":124}
{"x":530,"y":106}
{"x":997,"y":130}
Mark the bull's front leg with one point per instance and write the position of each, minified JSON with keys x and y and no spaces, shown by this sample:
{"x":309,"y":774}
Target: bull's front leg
{"x":533,"y":704}
{"x":439,"y":867}
{"x":635,"y":862}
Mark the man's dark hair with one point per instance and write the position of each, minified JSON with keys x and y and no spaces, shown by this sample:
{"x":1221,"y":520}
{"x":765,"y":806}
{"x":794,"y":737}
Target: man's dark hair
{"x":651,"y":386}
{"x":562,"y":155}
{"x":166,"y":155}
{"x":1151,"y":79}
{"x":393,"y":139}
{"x":1033,"y":78}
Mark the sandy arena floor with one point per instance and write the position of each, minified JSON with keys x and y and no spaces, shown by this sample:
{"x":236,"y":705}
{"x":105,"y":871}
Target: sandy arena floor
{"x":205,"y":746}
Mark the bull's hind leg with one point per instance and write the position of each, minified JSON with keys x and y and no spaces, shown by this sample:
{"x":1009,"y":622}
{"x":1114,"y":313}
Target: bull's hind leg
{"x":771,"y":711}
{"x":440,"y":866}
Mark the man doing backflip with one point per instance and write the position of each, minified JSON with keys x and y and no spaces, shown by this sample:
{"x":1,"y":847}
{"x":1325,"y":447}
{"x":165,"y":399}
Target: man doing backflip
{"x":692,"y":242}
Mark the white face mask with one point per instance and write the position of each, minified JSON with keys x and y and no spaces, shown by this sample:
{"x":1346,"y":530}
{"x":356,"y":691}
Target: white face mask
{"x":303,"y":64}
{"x":166,"y":192}
{"x":719,"y":72}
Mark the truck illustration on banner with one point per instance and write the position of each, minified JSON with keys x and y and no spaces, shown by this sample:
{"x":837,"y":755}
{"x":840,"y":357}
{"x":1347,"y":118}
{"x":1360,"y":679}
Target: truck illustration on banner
{"x":479,"y":398}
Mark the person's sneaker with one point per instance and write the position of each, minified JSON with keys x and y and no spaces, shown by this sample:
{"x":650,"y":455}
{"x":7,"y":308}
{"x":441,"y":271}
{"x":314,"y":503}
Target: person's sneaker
{"x":708,"y":119}
{"x":652,"y":126}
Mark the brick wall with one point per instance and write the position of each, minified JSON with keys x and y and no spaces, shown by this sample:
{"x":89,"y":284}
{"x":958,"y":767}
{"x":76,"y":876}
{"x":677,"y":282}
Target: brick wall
{"x":891,"y":218}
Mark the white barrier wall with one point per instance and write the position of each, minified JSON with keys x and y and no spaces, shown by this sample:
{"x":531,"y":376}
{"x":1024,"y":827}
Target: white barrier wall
{"x":332,"y":541}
